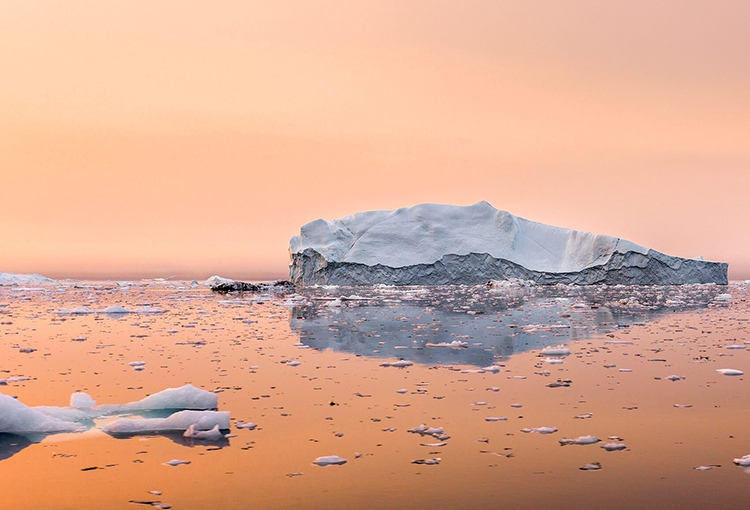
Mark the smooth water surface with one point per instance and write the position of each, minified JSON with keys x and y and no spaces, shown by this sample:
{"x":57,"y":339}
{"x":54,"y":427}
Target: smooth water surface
{"x":306,"y":368}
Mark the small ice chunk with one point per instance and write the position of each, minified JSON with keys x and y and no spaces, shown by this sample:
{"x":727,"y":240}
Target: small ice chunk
{"x":293,"y":364}
{"x":81,"y":399}
{"x":583,"y":416}
{"x":730,"y":371}
{"x":613,"y":447}
{"x":427,"y":462}
{"x":210,"y":435}
{"x":402,"y":391}
{"x":137,"y":363}
{"x":402,"y":363}
{"x":580,"y":440}
{"x":541,"y":430}
{"x":743,"y":461}
{"x":330,"y":460}
{"x":455,"y":344}
{"x":594,"y":466}
{"x":496,"y":418}
{"x":556,"y":351}
{"x":736,"y":347}
{"x":434,"y":445}
{"x":675,"y":377}
{"x":176,"y":462}
{"x":493,"y":388}
{"x":553,"y":361}
{"x":247,"y":425}
{"x":619,"y":342}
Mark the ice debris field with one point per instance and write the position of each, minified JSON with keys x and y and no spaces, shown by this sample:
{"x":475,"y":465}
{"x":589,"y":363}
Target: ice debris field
{"x":164,"y":393}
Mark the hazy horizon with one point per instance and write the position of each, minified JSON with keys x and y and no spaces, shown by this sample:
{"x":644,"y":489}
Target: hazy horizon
{"x":178,"y":138}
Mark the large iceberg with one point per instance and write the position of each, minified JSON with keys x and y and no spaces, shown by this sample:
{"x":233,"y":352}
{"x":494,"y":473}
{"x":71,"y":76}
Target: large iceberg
{"x":431,"y":244}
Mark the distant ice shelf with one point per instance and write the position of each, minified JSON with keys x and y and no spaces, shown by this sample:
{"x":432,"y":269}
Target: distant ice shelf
{"x":431,"y":244}
{"x":23,"y":279}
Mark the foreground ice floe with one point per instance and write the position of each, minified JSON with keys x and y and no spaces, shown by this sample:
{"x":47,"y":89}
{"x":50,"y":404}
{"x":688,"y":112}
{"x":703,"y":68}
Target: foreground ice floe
{"x":193,"y":403}
{"x":179,"y":421}
{"x":730,"y":371}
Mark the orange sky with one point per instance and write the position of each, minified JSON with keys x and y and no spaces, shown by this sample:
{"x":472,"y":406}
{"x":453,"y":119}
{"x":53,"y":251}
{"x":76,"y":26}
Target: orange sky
{"x":151,"y":138}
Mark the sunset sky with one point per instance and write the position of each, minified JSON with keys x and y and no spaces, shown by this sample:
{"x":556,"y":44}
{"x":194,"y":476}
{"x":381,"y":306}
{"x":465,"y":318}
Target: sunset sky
{"x":192,"y":138}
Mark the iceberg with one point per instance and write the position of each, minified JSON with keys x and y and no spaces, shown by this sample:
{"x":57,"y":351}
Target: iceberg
{"x":432,"y":244}
{"x":23,"y":279}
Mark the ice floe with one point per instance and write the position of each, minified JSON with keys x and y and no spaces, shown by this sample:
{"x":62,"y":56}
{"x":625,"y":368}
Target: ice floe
{"x":330,"y":460}
{"x":730,"y":371}
{"x":582,"y":440}
{"x":179,"y":421}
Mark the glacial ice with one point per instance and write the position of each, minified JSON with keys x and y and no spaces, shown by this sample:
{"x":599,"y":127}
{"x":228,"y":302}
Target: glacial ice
{"x":179,"y":421}
{"x":580,"y":440}
{"x":18,"y":418}
{"x":82,"y":400}
{"x":431,"y":244}
{"x":184,"y":397}
{"x":330,"y":460}
{"x":23,"y":279}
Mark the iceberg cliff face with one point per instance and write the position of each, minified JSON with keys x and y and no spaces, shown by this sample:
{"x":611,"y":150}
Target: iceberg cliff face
{"x":432,"y":244}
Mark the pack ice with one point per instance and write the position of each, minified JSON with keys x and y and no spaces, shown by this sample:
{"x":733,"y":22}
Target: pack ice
{"x":432,"y":244}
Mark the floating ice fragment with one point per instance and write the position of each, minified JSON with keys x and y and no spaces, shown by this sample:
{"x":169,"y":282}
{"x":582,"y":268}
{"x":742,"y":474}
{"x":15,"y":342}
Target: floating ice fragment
{"x":434,"y":445}
{"x":137,"y":363}
{"x":619,"y":342}
{"x":293,"y":364}
{"x":736,"y":347}
{"x":18,"y":418}
{"x":496,"y":418}
{"x":176,"y":462}
{"x":556,"y":351}
{"x":683,"y":405}
{"x":179,"y":421}
{"x":743,"y":461}
{"x":210,"y":435}
{"x":613,"y":447}
{"x":331,"y":460}
{"x":248,"y":426}
{"x":553,"y":361}
{"x":184,"y":397}
{"x":402,"y":363}
{"x":455,"y":344}
{"x":541,"y":430}
{"x":580,"y":440}
{"x":675,"y":377}
{"x":82,"y":400}
{"x":427,"y":462}
{"x":626,"y":370}
{"x":706,"y":468}
{"x":492,"y":368}
{"x":493,"y":388}
{"x":424,"y":430}
{"x":594,"y":466}
{"x":402,"y":391}
{"x":730,"y":371}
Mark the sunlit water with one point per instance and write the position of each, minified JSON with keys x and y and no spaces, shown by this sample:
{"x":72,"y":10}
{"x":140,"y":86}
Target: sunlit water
{"x":307,"y":369}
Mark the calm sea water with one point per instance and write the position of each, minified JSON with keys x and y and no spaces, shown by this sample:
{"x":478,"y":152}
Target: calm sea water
{"x":307,"y":369}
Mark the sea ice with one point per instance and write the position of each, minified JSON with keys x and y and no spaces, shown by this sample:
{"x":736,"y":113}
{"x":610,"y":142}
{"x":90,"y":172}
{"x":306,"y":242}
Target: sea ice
{"x":432,"y":244}
{"x":541,"y":430}
{"x":179,"y":421}
{"x":18,"y":418}
{"x":730,"y":371}
{"x":330,"y":460}
{"x":81,"y":400}
{"x":209,"y":435}
{"x":580,"y":440}
{"x":743,"y":461}
{"x":176,"y":462}
{"x":613,"y":447}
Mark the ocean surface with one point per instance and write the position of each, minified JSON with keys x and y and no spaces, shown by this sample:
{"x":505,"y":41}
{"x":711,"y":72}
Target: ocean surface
{"x":435,"y":397}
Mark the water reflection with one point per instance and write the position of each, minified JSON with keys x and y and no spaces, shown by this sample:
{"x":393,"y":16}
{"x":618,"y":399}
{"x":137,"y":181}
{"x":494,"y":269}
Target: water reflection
{"x":11,"y":444}
{"x":478,"y":325}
